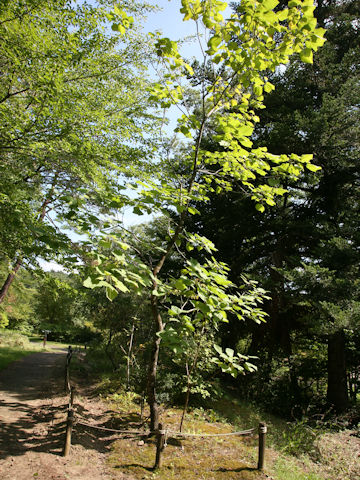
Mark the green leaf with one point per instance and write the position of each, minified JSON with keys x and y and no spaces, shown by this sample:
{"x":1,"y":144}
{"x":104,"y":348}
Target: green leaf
{"x":214,"y":42}
{"x":229,"y":352}
{"x":105,"y":244}
{"x":218,"y":349}
{"x":193,"y":211}
{"x":179,"y":284}
{"x":307,"y":157}
{"x":123,"y":245}
{"x":117,"y":27}
{"x":119,"y":285}
{"x":312,"y":168}
{"x":270,"y":4}
{"x":88,"y":283}
{"x":306,"y":55}
{"x":111,"y":293}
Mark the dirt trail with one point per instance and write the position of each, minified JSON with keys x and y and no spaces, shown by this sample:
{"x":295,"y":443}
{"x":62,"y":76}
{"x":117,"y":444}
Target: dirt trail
{"x":32,"y":419}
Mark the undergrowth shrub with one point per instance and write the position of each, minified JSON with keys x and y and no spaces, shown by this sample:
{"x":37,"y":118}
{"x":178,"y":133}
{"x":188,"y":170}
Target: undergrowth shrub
{"x":299,"y":437}
{"x":10,"y":338}
{"x":4,"y":321}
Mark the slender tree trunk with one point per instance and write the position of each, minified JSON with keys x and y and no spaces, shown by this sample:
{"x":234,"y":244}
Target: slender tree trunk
{"x":128,"y":362}
{"x":188,"y":374}
{"x":107,"y":351}
{"x":337,"y":392}
{"x":187,"y":397}
{"x":152,"y":400}
{"x":9,"y":279}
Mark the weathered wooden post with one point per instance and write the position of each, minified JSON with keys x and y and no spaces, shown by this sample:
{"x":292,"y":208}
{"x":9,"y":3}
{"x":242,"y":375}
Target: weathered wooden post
{"x":262,"y":444}
{"x":160,"y":443}
{"x":69,"y":355}
{"x":69,"y":426}
{"x":72,"y":396}
{"x":66,"y":377}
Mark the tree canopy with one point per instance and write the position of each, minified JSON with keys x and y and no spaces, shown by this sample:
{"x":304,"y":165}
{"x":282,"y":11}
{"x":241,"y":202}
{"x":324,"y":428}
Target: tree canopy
{"x":253,"y":200}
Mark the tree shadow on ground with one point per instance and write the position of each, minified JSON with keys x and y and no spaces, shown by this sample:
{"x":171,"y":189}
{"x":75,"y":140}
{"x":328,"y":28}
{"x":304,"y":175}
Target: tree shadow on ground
{"x":35,"y":430}
{"x":31,"y":420}
{"x":30,"y":424}
{"x":95,"y":438}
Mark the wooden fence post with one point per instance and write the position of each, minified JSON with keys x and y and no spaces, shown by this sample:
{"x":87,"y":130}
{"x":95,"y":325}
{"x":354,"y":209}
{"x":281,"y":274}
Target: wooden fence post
{"x":262,"y":443}
{"x":66,"y":377}
{"x":72,"y":396}
{"x":69,"y":426}
{"x":160,"y":443}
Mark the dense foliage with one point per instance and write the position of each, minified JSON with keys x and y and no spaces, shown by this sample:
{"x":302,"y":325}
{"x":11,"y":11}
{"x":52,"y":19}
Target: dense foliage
{"x":305,"y":250}
{"x":240,"y":230}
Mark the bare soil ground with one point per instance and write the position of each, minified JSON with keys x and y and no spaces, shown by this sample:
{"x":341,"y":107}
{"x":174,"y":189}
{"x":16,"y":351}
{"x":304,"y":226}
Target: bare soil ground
{"x":32,"y":418}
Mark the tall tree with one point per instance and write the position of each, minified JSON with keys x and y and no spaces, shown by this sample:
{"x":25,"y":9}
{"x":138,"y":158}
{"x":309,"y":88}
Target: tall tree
{"x":72,"y":114}
{"x":306,"y":248}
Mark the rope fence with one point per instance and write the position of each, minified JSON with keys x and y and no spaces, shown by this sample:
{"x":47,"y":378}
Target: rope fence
{"x":162,"y":434}
{"x":169,"y":433}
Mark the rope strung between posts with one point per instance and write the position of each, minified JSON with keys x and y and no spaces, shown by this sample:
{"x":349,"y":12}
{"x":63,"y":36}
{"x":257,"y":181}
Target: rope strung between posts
{"x":169,"y":433}
{"x":242,"y":432}
{"x":128,"y":432}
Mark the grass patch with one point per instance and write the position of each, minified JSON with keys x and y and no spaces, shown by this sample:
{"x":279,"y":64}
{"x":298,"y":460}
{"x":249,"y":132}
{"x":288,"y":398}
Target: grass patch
{"x":227,"y":458}
{"x":13,"y":346}
{"x":223,"y":458}
{"x":300,"y":450}
{"x":286,"y":469}
{"x":11,"y":354}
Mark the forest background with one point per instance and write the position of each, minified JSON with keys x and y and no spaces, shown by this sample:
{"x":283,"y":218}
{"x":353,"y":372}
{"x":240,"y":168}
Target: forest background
{"x":83,"y":123}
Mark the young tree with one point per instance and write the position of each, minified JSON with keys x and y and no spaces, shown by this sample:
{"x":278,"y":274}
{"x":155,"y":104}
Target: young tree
{"x":237,"y":51}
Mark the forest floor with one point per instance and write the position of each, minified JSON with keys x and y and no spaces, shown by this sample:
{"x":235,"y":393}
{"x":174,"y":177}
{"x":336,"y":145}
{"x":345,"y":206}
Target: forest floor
{"x":33,"y":414}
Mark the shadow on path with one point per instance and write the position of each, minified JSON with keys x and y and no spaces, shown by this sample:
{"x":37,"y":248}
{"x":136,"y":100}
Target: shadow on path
{"x":27,"y":411}
{"x":27,"y":378}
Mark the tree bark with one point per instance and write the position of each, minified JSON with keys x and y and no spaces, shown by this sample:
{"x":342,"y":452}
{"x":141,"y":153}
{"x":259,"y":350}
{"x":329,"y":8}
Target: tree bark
{"x":337,"y":393}
{"x":151,"y":388}
{"x":129,"y":354}
{"x":9,"y":279}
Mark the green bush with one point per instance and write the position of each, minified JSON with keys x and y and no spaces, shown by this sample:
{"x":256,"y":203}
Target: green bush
{"x":11,"y":338}
{"x":4,"y":321}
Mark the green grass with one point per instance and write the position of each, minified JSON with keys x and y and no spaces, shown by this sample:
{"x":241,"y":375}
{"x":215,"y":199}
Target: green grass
{"x":288,"y":456}
{"x":295,"y":450}
{"x":10,"y":354}
{"x":13,"y":346}
{"x":286,"y":469}
{"x":206,"y":458}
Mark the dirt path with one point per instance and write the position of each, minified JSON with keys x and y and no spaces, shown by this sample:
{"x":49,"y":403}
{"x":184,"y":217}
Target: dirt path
{"x":32,"y":419}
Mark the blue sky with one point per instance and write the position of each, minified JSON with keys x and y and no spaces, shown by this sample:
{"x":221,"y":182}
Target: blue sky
{"x":170,"y":22}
